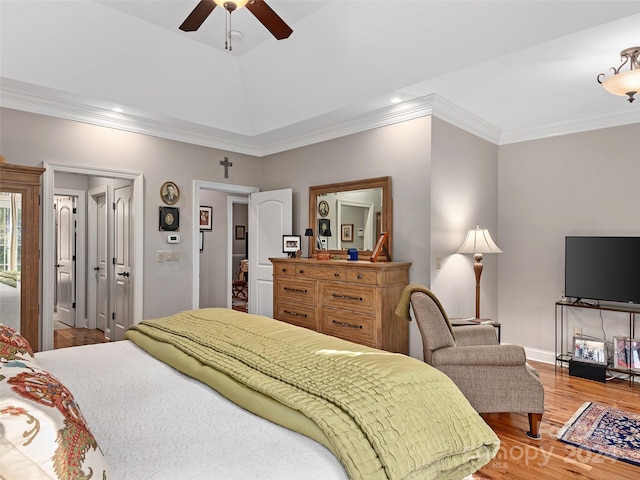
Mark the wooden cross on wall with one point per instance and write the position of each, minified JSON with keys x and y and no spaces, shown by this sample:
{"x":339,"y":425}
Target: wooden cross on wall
{"x":226,"y":164}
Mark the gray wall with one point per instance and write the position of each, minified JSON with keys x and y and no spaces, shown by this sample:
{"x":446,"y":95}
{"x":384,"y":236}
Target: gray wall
{"x":30,"y":139}
{"x":581,"y":184}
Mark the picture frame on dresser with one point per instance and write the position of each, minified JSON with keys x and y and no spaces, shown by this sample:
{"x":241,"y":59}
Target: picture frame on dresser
{"x":380,"y":248}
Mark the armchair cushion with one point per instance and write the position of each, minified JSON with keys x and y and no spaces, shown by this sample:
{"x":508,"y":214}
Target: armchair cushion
{"x":475,"y":335}
{"x":479,"y":355}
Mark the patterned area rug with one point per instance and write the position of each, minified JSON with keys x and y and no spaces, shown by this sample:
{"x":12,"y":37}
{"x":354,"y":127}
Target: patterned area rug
{"x":604,"y":430}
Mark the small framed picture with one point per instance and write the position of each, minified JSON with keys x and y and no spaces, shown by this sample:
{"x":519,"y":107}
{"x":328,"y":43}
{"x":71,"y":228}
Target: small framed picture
{"x":380,"y":248}
{"x":591,"y":351}
{"x":324,"y":227}
{"x":201,"y":240}
{"x":169,"y":219}
{"x":323,"y":208}
{"x":240,"y":231}
{"x":205,"y":217}
{"x":346,"y":232}
{"x":169,"y":193}
{"x":291,"y":244}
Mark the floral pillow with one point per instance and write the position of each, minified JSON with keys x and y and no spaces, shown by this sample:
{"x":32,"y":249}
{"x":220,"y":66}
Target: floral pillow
{"x":43,"y":434}
{"x":13,"y":345}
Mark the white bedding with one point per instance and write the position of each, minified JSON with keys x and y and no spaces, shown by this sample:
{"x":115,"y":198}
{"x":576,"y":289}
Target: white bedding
{"x":154,"y":423}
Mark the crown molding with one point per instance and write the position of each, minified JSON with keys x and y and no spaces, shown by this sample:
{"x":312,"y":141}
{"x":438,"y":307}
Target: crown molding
{"x":301,"y":134}
{"x":566,"y":127}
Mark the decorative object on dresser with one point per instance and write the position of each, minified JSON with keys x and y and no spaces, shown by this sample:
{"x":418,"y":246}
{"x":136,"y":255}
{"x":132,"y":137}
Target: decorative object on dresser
{"x":478,"y":241}
{"x":380,"y":248}
{"x":353,"y":300}
{"x":291,"y":244}
{"x":309,"y":234}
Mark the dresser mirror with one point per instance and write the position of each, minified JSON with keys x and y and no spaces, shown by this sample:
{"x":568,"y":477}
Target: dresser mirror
{"x":350,"y":215}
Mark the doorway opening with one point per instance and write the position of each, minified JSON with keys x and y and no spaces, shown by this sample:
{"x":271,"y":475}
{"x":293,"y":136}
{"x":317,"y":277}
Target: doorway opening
{"x":85,"y":250}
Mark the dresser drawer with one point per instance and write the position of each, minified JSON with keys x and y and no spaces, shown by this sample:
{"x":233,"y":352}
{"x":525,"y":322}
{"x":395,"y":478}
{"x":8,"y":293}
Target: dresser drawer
{"x":329,"y":272}
{"x":297,"y":290}
{"x":362,"y":276}
{"x":348,"y":297}
{"x":358,"y":328}
{"x":298,"y":314}
{"x":286,"y":269}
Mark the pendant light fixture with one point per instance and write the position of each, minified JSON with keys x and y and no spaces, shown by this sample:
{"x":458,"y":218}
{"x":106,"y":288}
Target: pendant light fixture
{"x":624,"y":82}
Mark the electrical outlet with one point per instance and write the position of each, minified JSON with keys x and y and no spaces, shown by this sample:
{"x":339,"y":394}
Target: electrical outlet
{"x":161,"y":256}
{"x":577,"y":331}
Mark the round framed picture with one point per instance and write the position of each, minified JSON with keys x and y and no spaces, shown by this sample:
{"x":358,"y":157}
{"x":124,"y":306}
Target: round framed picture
{"x":169,"y":193}
{"x":323,"y":208}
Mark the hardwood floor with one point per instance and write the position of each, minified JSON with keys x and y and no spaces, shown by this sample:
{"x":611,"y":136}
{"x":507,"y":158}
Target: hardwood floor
{"x":73,"y":337}
{"x":523,"y":459}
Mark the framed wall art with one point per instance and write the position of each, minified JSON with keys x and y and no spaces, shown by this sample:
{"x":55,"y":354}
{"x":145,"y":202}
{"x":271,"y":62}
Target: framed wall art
{"x":240,"y":232}
{"x":205,"y":217}
{"x":346,"y":232}
{"x":170,"y":193}
{"x":169,"y":219}
{"x":323,"y":208}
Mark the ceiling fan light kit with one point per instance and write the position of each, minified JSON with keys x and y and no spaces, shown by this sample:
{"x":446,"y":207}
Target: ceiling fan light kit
{"x":624,"y":82}
{"x":263,"y":12}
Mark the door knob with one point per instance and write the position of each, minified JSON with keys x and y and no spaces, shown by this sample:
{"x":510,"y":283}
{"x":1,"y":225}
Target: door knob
{"x":124,"y":274}
{"x":96,"y":268}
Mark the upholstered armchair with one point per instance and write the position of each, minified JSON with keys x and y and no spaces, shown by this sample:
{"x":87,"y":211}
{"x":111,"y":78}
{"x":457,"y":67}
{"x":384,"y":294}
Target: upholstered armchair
{"x":494,"y":378}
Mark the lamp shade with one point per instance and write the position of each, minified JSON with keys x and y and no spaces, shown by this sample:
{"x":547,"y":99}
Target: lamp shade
{"x":479,"y":241}
{"x":624,"y":83}
{"x":327,"y":233}
{"x":308,"y":232}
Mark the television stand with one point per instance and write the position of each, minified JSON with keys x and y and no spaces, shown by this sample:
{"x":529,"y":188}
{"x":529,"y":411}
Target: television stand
{"x":563,"y":354}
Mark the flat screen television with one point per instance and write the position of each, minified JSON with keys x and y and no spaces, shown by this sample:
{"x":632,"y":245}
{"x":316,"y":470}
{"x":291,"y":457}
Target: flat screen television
{"x":602,"y":268}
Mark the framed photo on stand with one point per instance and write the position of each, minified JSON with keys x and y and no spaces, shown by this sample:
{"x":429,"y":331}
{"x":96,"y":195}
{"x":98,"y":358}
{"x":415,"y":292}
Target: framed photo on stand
{"x":380,"y":248}
{"x":291,"y":244}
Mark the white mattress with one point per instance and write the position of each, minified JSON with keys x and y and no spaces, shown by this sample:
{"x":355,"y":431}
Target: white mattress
{"x":153,"y":422}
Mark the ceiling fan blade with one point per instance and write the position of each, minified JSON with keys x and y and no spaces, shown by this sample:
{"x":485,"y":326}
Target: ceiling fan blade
{"x":269,"y":19}
{"x":198,"y":15}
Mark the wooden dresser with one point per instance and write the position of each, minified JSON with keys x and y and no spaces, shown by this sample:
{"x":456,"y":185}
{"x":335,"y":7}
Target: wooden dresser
{"x":354,"y":300}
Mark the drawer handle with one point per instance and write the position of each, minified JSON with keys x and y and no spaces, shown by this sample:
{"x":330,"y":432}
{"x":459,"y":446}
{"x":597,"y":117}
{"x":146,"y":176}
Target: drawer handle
{"x":360,"y":276}
{"x":284,"y":270}
{"x":296,"y":290}
{"x":345,"y":324}
{"x":337,"y":274}
{"x":295,"y":314}
{"x":346,"y":297}
{"x":301,"y":271}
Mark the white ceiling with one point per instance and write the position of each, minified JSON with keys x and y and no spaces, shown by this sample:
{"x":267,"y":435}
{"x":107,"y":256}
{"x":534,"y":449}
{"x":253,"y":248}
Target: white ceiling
{"x":505,"y":70}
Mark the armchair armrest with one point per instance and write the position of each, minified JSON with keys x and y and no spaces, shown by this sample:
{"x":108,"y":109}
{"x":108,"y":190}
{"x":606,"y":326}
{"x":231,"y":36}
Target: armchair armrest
{"x":475,"y":335}
{"x":480,"y":355}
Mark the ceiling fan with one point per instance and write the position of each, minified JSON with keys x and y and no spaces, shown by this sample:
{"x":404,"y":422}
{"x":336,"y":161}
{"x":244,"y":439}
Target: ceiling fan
{"x":259,"y":8}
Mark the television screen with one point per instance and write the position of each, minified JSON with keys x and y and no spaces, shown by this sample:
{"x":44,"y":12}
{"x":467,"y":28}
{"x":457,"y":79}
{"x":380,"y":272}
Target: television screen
{"x":603,"y":268}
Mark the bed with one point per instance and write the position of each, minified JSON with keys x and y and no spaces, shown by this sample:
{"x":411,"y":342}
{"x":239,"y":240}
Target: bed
{"x":215,"y":393}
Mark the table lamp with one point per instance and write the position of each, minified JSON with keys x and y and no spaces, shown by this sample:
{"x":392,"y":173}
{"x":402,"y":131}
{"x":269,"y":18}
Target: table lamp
{"x":309,"y":233}
{"x":478,"y":242}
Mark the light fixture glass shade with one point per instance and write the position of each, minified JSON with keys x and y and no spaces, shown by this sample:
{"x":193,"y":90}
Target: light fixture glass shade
{"x":623,"y":83}
{"x":479,"y":241}
{"x":239,"y":3}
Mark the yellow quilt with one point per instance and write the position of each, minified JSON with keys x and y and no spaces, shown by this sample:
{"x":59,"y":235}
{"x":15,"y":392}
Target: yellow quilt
{"x":384,"y":415}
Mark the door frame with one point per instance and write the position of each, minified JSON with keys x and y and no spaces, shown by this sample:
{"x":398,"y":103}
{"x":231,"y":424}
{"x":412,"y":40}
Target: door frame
{"x":48,"y":243}
{"x":198,"y":186}
{"x":79,"y":274}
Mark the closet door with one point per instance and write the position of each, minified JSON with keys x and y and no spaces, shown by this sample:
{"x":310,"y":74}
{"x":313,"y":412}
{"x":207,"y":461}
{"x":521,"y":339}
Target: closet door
{"x":25,"y":181}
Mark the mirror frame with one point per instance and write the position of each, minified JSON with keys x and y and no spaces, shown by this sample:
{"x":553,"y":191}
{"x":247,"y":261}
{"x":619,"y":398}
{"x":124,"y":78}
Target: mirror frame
{"x":387,"y":209}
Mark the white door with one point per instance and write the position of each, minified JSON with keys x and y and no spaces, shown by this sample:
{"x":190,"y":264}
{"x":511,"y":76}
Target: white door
{"x":270,"y":217}
{"x":122,"y":260}
{"x":65,"y":260}
{"x":100,"y":264}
